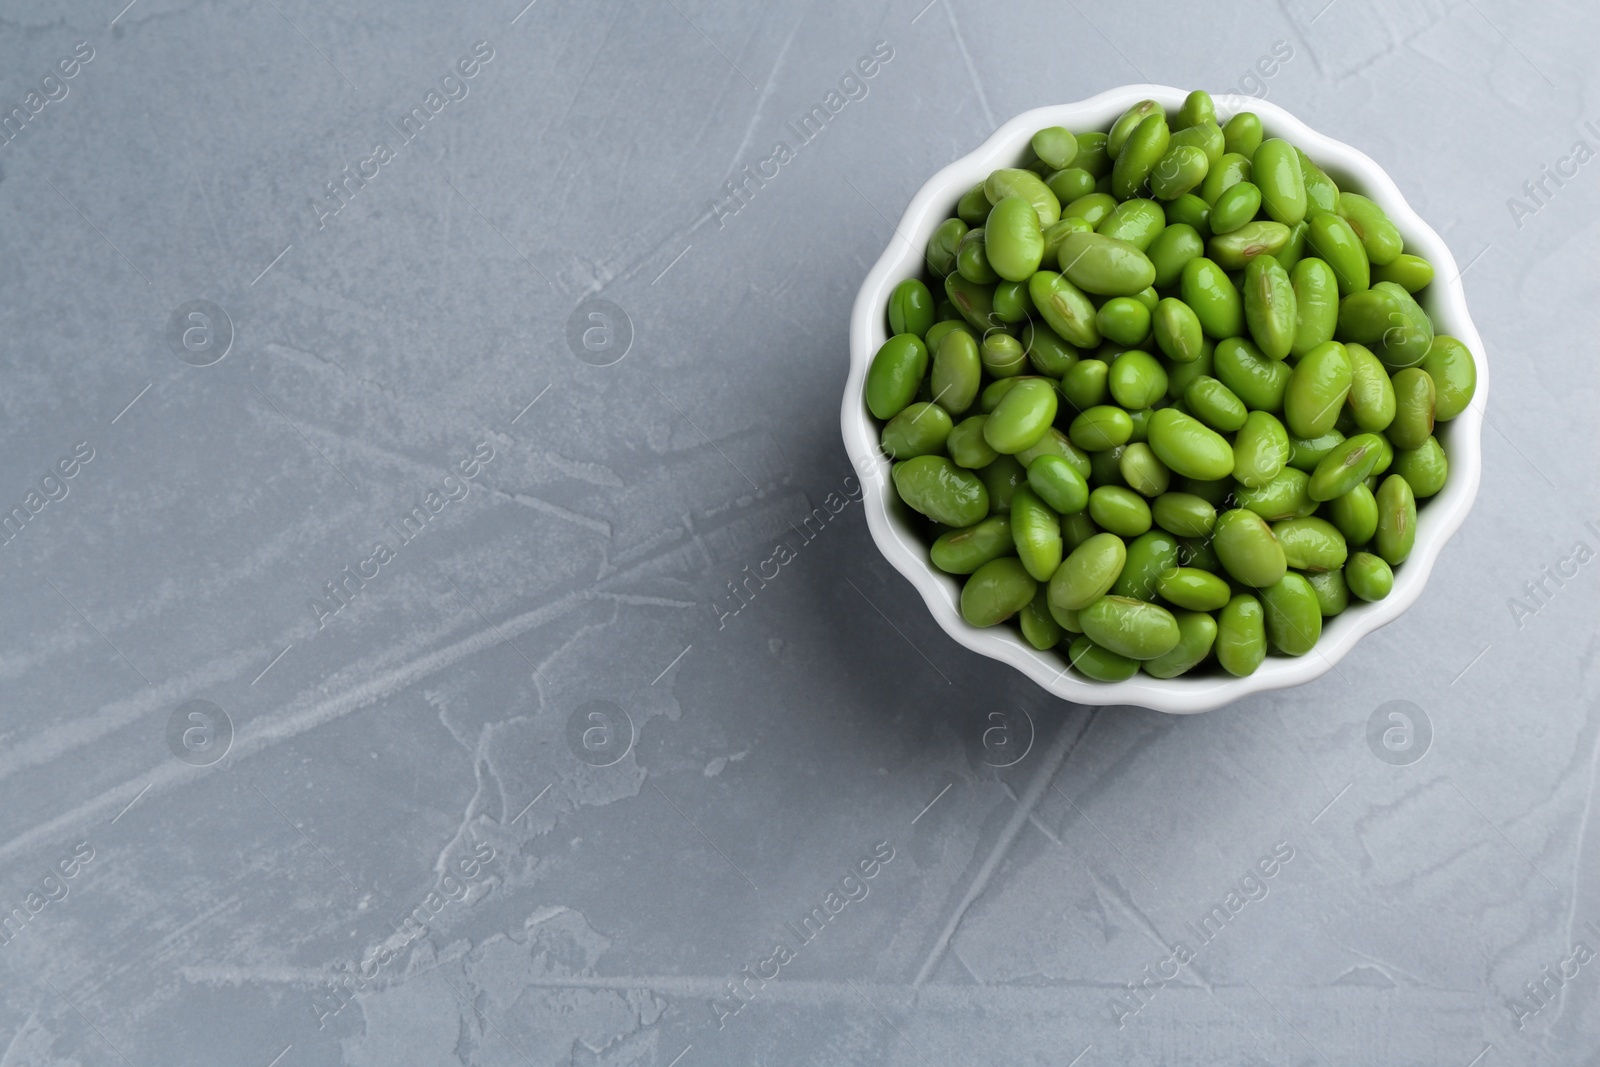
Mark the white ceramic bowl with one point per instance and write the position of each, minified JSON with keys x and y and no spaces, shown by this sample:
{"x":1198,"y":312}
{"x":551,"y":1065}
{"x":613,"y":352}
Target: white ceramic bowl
{"x":891,"y":522}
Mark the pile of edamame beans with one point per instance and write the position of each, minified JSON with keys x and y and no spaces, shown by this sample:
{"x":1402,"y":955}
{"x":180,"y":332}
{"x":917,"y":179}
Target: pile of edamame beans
{"x":1176,"y":404}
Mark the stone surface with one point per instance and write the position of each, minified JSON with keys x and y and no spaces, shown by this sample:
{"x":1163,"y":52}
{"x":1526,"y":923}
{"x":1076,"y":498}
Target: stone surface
{"x":535,"y":793}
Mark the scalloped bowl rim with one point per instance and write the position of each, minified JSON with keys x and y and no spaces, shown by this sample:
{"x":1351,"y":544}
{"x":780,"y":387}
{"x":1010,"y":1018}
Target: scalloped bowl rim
{"x":905,"y":549}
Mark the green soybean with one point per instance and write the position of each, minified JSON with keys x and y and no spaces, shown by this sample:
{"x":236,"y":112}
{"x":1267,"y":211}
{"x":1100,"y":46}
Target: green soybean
{"x":1455,"y":376}
{"x":910,"y":308}
{"x":1177,"y":330}
{"x":1143,"y":471}
{"x":1206,"y":288}
{"x":1294,"y":249}
{"x":1039,"y":627}
{"x":1317,"y":390}
{"x":1054,"y":443}
{"x":957,"y":372}
{"x":1230,"y":170}
{"x":1235,"y":206}
{"x":1174,"y":246}
{"x":1105,"y":265}
{"x":1306,"y":452}
{"x":1233,"y":250}
{"x":1125,"y":124}
{"x":973,"y":207}
{"x":1138,"y":222}
{"x":1065,"y":308}
{"x":919,"y":430}
{"x":1243,"y":133}
{"x":1012,"y":303}
{"x":1397,"y":520}
{"x":964,"y":550}
{"x":1182,"y":169}
{"x":1183,"y":514}
{"x":1105,"y":467}
{"x":1379,"y":237}
{"x":1241,"y":642}
{"x":1316,"y":304}
{"x":1091,"y":208}
{"x":1100,"y":428}
{"x":1425,"y":468}
{"x":1247,"y":549}
{"x":1197,"y":108}
{"x":1414,"y":399}
{"x":942,"y":245}
{"x":944,"y":327}
{"x":1002,"y":355}
{"x":1013,"y":240}
{"x":937,"y":488}
{"x":1012,"y":181}
{"x":1059,"y":484}
{"x":895,"y":373}
{"x":1123,"y":319}
{"x":1195,"y":589}
{"x":1311,"y":544}
{"x":1275,"y":168}
{"x":1119,"y":509}
{"x":1130,"y":627}
{"x":1215,"y":404}
{"x":1372,"y":398}
{"x":1036,"y":530}
{"x":1150,"y":555}
{"x":1055,"y":145}
{"x":975,"y":302}
{"x":1345,"y":466}
{"x":1179,"y":375}
{"x":1049,"y":354}
{"x":972,"y":258}
{"x":1355,"y":514}
{"x":1369,"y":577}
{"x":1336,"y":244}
{"x":1197,"y":632}
{"x":1136,"y":379}
{"x":1190,"y":210}
{"x":966,"y":446}
{"x":1000,"y":479}
{"x":1260,"y":382}
{"x":1088,"y":572}
{"x":1322,"y":195}
{"x":1260,"y":451}
{"x":1270,"y":306}
{"x":1293,"y":614}
{"x":1138,"y":156}
{"x":1092,"y":153}
{"x":1285,"y":497}
{"x":1022,"y":416}
{"x":996,"y":591}
{"x":1411,"y":273}
{"x":1101,"y":664}
{"x":1189,"y":447}
{"x":1206,"y":136}
{"x":1069,"y":184}
{"x":1084,"y":384}
{"x":1333,"y":594}
{"x":1059,"y":231}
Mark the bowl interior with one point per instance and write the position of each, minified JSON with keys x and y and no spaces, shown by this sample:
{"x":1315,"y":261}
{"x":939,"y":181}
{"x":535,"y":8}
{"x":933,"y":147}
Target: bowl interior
{"x":897,"y":530}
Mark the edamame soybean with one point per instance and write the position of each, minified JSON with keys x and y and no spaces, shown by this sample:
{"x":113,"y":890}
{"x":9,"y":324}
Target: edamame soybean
{"x":1022,"y":416}
{"x":964,"y":550}
{"x":1230,"y":332}
{"x":1128,"y":627}
{"x":996,"y":591}
{"x":1088,"y":572}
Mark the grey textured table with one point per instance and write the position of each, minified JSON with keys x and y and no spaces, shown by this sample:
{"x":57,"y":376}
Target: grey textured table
{"x":374,"y":690}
